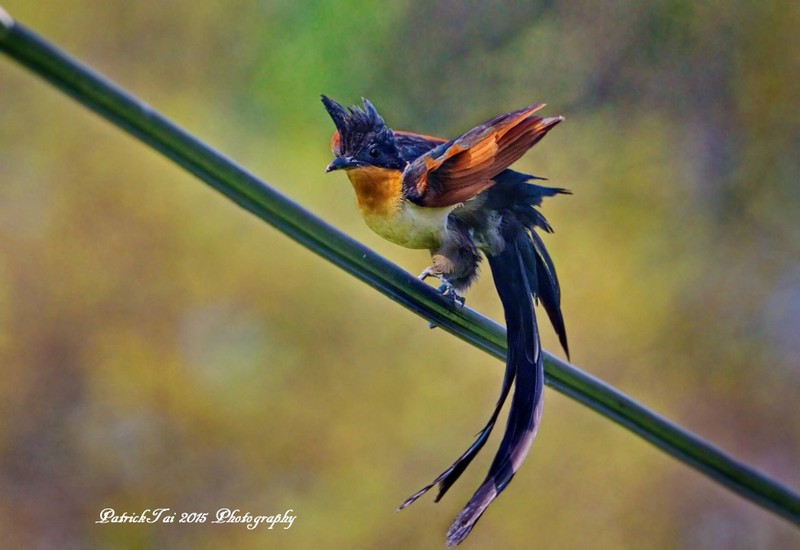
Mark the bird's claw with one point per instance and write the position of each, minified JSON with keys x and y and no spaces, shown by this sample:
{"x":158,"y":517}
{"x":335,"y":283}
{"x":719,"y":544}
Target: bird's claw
{"x":427,"y":272}
{"x":450,"y":292}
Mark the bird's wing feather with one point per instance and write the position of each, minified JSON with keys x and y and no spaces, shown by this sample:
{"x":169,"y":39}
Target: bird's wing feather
{"x":457,"y":170}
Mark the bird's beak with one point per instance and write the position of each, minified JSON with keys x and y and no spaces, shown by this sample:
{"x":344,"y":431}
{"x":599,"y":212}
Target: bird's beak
{"x":341,"y":163}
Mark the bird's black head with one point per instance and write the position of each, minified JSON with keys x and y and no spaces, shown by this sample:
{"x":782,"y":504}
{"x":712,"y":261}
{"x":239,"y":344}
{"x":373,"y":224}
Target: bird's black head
{"x":362,"y":138}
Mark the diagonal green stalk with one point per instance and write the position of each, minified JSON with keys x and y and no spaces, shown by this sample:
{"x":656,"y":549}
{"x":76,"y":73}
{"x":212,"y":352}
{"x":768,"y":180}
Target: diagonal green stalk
{"x":133,"y":115}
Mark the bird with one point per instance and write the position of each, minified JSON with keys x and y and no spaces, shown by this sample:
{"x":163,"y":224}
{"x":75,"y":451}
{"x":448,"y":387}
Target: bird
{"x":460,"y":200}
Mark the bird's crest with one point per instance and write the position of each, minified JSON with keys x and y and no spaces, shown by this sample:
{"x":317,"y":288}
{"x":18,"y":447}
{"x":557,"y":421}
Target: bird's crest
{"x":354,"y":124}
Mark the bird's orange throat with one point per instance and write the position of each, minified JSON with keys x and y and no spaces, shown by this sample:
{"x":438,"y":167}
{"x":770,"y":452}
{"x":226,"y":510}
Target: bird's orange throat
{"x":380,"y":201}
{"x":378,"y":190}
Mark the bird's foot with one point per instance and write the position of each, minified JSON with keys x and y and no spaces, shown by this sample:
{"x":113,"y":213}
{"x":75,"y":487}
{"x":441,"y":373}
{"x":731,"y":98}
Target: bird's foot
{"x":447,"y":289}
{"x":450,"y":292}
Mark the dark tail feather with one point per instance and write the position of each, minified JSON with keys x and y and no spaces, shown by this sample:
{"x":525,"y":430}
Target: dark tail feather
{"x":522,"y":270}
{"x":446,"y":479}
{"x":548,"y":290}
{"x":451,"y":474}
{"x":524,"y":361}
{"x":512,"y":191}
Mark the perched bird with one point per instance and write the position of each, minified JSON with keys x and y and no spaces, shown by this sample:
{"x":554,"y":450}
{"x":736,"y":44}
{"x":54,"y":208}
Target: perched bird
{"x":458,"y":198}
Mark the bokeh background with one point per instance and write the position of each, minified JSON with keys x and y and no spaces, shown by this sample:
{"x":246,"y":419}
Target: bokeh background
{"x":160,"y":347}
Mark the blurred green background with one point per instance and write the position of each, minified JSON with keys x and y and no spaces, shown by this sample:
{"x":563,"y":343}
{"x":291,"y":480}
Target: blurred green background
{"x":159,"y":347}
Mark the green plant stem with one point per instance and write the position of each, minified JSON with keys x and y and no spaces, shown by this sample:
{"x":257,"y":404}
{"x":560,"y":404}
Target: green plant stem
{"x":133,"y":115}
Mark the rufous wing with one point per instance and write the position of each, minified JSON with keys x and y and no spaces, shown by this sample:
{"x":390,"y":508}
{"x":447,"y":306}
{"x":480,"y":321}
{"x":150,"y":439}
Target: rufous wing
{"x":457,"y":170}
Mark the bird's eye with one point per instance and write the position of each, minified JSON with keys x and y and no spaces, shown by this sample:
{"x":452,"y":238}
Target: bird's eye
{"x":374,"y":152}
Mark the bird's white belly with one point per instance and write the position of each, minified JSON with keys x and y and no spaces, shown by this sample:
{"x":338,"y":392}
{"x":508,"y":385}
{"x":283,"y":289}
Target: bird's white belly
{"x":410,"y":225}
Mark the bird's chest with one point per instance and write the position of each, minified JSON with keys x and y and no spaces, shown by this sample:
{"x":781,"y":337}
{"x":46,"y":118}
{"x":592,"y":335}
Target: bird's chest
{"x":410,"y":226}
{"x":381,"y":204}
